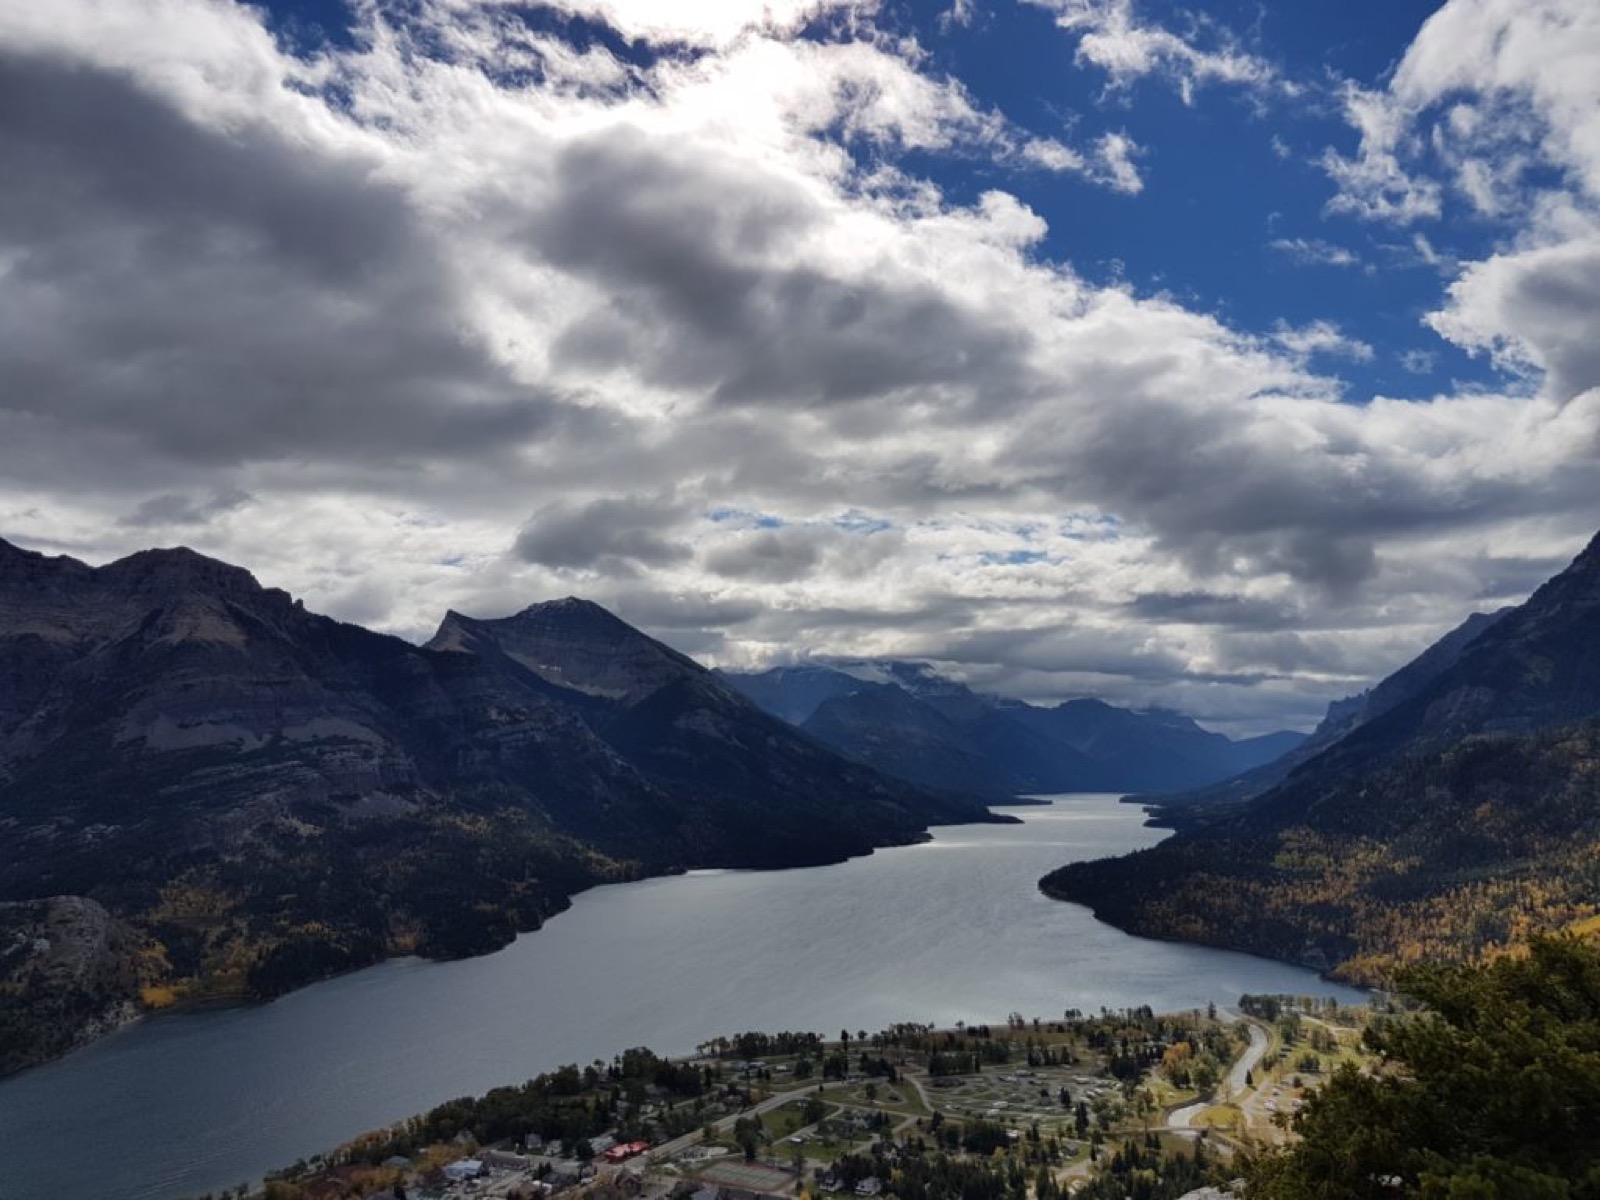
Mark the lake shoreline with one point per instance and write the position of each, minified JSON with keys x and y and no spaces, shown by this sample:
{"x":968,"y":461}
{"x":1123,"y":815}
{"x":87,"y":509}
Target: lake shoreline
{"x":131,"y":1011}
{"x":204,"y":1099}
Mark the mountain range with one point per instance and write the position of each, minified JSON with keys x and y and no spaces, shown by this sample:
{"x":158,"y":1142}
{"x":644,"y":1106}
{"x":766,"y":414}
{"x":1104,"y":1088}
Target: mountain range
{"x":1453,"y":810}
{"x":906,"y":720}
{"x":223,"y":794}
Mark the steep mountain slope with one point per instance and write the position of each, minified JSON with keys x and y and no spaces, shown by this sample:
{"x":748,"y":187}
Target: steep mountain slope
{"x":1464,"y":815}
{"x":891,"y":715}
{"x":748,"y":789}
{"x":68,"y":971}
{"x":1343,"y":716}
{"x":266,"y":795}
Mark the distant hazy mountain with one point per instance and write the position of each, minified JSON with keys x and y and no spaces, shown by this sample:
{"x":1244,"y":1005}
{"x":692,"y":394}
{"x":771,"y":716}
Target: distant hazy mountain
{"x":907,"y":720}
{"x":792,"y":694}
{"x":265,"y":795}
{"x":1459,"y":810}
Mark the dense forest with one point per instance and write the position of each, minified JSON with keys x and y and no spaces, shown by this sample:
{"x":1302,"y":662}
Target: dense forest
{"x":446,"y":885}
{"x":1438,"y":856}
{"x":1458,"y":816}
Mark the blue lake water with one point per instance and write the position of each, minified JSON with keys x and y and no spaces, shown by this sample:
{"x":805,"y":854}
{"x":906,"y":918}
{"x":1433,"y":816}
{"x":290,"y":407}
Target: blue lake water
{"x":953,"y":929}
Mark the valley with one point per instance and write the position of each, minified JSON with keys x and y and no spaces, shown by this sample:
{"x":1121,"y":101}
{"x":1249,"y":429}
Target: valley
{"x":945,"y":931}
{"x":1451,"y":813}
{"x":258,"y":797}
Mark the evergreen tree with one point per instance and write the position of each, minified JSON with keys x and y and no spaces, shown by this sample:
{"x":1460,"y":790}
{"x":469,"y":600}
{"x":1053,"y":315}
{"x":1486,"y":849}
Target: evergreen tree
{"x":1492,"y":1092}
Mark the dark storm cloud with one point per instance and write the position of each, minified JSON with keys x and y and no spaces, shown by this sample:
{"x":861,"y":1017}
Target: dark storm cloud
{"x":173,"y":508}
{"x":1500,"y":578}
{"x":1228,"y":495}
{"x":223,"y":295}
{"x":1063,"y":649}
{"x":1209,"y":608}
{"x":684,"y":612}
{"x":693,"y":254}
{"x":769,"y":557}
{"x":622,"y":531}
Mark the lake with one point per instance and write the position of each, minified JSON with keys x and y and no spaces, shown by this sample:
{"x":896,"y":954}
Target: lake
{"x":953,"y":929}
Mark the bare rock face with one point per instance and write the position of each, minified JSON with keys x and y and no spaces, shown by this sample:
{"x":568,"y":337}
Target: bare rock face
{"x":69,"y":971}
{"x":574,"y":644}
{"x":743,"y":788}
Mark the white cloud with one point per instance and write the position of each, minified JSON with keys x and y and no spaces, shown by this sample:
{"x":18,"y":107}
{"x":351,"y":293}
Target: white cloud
{"x":1114,"y":38}
{"x":1375,"y":185}
{"x":698,"y":22}
{"x":1535,"y":308}
{"x":1488,"y":91}
{"x":1315,"y":252}
{"x":1115,"y":153}
{"x":1418,"y":362}
{"x":1320,"y":337}
{"x":960,"y":13}
{"x":1501,"y":100}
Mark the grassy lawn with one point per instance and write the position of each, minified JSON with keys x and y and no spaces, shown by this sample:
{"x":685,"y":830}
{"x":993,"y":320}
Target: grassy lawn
{"x":899,"y":1098}
{"x":1220,"y":1116}
{"x":788,"y":1119}
{"x":1166,"y":1095}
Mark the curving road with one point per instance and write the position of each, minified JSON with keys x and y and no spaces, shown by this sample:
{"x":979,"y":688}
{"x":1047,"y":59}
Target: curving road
{"x":1183,"y":1118}
{"x":1249,"y":1060}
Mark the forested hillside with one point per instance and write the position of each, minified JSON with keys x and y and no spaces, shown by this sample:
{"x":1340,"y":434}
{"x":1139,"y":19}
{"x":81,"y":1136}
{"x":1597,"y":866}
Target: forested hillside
{"x":1461,"y":819}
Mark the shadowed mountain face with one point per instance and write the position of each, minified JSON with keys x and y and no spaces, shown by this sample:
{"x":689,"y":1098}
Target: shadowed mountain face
{"x":907,"y":721}
{"x":1459,"y":809}
{"x":1343,"y":717}
{"x":740,"y":781}
{"x":267,"y":795}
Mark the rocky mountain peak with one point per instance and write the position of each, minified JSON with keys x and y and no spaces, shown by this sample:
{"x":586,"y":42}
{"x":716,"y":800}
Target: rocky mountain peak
{"x":29,"y":566}
{"x":1577,"y":586}
{"x":176,"y":571}
{"x":575,"y":616}
{"x":574,"y":644}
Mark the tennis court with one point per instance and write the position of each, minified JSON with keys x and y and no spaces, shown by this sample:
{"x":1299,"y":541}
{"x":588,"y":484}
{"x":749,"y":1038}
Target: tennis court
{"x":750,"y":1176}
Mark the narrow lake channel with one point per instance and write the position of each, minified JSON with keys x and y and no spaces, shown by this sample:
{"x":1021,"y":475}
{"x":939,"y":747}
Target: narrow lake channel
{"x":954,"y":929}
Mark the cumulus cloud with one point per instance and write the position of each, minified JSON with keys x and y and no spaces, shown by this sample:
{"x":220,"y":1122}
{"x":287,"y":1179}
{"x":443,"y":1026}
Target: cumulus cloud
{"x":466,"y":316}
{"x":1320,"y":337}
{"x":1497,"y":99}
{"x":1534,"y":308}
{"x":1489,"y":95}
{"x":626,"y":531}
{"x":1113,"y":36}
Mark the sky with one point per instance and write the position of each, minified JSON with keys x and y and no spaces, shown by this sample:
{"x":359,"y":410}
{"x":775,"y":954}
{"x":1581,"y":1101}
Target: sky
{"x":1215,"y":357}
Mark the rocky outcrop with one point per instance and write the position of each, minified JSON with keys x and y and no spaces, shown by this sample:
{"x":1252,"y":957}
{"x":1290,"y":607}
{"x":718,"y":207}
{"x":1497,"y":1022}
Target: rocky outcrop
{"x":69,"y":972}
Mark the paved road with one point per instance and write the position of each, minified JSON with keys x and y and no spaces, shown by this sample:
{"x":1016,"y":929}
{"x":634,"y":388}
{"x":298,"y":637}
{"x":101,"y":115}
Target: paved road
{"x":1182,"y":1119}
{"x":1249,"y":1060}
{"x":667,"y":1149}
